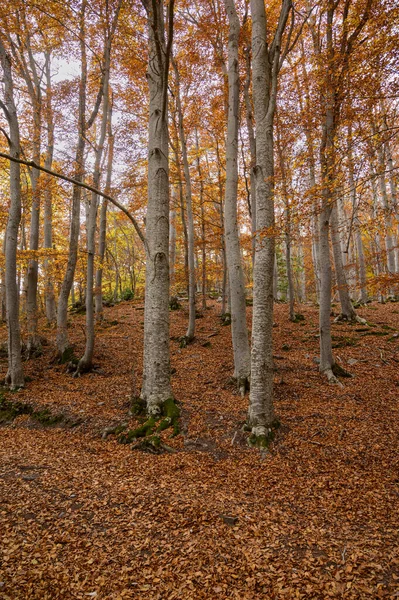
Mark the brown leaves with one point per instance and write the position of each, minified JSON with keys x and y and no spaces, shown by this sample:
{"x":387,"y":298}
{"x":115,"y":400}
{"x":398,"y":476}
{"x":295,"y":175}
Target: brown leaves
{"x":309,"y":521}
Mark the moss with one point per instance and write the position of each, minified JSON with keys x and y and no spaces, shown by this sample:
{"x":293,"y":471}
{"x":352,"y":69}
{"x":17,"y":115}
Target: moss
{"x":67,"y":356}
{"x":226,"y":319}
{"x":164,"y":424}
{"x":183,"y":341}
{"x":168,"y":418}
{"x":140,"y":432}
{"x":137,"y":406}
{"x":343,"y":342}
{"x":174,"y":303}
{"x":11,"y":410}
{"x":171,"y":411}
{"x":46,"y":418}
{"x":261,"y":441}
{"x":380,"y":333}
{"x":249,"y":301}
{"x":298,"y":317}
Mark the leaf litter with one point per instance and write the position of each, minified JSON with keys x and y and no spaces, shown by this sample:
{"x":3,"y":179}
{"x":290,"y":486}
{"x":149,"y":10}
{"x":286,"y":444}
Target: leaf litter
{"x":314,"y":517}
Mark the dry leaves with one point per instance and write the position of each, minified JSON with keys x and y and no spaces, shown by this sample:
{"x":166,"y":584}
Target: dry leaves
{"x":314,"y":518}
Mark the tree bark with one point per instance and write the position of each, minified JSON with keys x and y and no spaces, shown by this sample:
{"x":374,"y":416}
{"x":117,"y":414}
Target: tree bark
{"x":156,"y":387}
{"x":239,"y":330}
{"x":15,"y":377}
{"x":190,"y":219}
{"x":51,"y":310}
{"x":265,"y":68}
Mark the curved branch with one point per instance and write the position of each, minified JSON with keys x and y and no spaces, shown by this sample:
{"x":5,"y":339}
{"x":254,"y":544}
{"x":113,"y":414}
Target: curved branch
{"x":31,"y":163}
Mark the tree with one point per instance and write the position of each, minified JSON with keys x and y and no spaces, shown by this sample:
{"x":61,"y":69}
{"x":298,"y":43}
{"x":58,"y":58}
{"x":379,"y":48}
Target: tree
{"x":265,"y":70}
{"x":15,"y":377}
{"x":156,"y":387}
{"x":239,"y":331}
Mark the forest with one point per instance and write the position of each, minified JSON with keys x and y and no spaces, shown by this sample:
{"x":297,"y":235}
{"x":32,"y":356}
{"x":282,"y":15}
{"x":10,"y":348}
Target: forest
{"x":199,"y":287}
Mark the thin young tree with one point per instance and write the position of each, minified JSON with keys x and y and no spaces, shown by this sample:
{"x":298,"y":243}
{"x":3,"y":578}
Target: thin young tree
{"x":15,"y":377}
{"x":239,"y":330}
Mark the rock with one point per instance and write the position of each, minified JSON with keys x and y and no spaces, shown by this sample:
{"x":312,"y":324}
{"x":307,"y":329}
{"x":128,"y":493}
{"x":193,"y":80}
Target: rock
{"x":229,"y":520}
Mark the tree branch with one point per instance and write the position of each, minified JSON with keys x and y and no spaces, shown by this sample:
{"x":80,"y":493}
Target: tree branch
{"x":31,"y":163}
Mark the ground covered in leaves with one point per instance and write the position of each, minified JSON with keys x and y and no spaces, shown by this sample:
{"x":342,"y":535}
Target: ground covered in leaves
{"x":315,"y":517}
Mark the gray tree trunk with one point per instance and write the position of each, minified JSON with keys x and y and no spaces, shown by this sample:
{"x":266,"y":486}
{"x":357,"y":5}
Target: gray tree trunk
{"x":51,"y":311}
{"x":357,"y":224}
{"x":33,"y":82}
{"x":103,"y":225}
{"x":156,"y":368}
{"x":347,"y":311}
{"x":172,"y":240}
{"x":63,"y":347}
{"x":239,"y":330}
{"x":265,"y":68}
{"x":190,"y":219}
{"x":203,"y":229}
{"x":86,"y":362}
{"x":252,"y":144}
{"x":15,"y":377}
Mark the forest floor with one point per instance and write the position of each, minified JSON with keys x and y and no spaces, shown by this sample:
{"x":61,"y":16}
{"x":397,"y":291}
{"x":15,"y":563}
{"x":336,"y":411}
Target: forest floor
{"x":315,"y":517}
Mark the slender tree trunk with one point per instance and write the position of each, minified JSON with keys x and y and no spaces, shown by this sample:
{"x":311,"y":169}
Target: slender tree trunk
{"x":203,"y":230}
{"x":239,"y":331}
{"x":172,"y":240}
{"x":252,"y":144}
{"x":327,"y":178}
{"x":3,"y":313}
{"x":103,"y":225}
{"x":15,"y":377}
{"x":190,"y":219}
{"x":356,"y":223}
{"x":389,"y":242}
{"x":51,"y":311}
{"x":64,"y":351}
{"x":288,"y":236}
{"x":220,"y":209}
{"x":34,"y":88}
{"x":347,"y":310}
{"x":86,"y":362}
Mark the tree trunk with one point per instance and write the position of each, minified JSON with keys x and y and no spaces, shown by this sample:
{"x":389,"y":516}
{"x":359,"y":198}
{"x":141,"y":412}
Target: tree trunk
{"x":64,"y":351}
{"x":347,"y":311}
{"x":172,"y":241}
{"x":156,"y":368}
{"x":239,"y":330}
{"x":190,"y":219}
{"x":15,"y":377}
{"x":264,"y":81}
{"x":103,"y":225}
{"x":51,"y":311}
{"x":203,"y":231}
{"x":356,"y":223}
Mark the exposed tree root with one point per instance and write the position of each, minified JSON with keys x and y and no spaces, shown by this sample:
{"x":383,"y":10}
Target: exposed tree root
{"x":261,"y":436}
{"x":152,"y":427}
{"x":153,"y":445}
{"x":184,"y":341}
{"x":351,"y":319}
{"x":332,"y":379}
{"x":339,"y":371}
